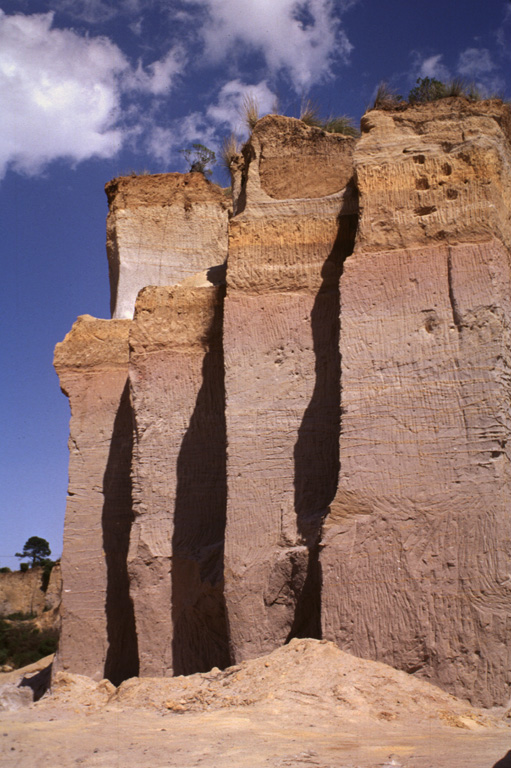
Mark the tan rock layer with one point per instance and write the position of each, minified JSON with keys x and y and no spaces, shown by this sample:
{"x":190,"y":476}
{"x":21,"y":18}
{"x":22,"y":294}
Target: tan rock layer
{"x":23,"y":592}
{"x":434,"y":173}
{"x":160,"y":230}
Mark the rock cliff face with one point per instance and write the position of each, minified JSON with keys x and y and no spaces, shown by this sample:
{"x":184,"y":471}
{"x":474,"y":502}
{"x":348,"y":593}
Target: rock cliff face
{"x":160,"y":230}
{"x":416,"y":552}
{"x":176,"y":554}
{"x":98,"y":632}
{"x":324,"y":453}
{"x":282,"y":377}
{"x":24,"y":592}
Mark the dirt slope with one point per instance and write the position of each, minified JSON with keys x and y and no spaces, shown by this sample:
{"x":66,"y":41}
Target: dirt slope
{"x":307,"y":704}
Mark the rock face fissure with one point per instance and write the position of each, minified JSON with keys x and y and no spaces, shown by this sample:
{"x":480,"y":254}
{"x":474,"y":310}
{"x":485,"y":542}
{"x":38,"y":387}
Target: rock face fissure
{"x":200,"y":637}
{"x":316,"y":451}
{"x":221,"y":505}
{"x":122,"y":655}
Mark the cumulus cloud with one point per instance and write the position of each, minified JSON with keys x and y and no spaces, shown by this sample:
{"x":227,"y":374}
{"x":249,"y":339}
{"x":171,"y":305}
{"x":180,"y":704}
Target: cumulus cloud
{"x":432,"y":67}
{"x":227,"y":111}
{"x":158,"y":77}
{"x":504,"y":32}
{"x":165,"y":143}
{"x":58,"y":92}
{"x":473,"y":65}
{"x":210,"y":126}
{"x":96,"y":11}
{"x":61,"y":92}
{"x":476,"y":65}
{"x":299,"y":37}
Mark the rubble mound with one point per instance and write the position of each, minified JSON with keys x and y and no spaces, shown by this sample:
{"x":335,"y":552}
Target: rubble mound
{"x":305,"y":673}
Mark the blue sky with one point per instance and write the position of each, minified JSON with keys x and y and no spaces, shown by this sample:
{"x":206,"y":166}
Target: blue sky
{"x":91,"y":89}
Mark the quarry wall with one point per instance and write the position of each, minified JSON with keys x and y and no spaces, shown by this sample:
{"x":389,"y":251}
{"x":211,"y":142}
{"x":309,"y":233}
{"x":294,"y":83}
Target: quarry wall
{"x":315,"y":441}
{"x":24,"y":591}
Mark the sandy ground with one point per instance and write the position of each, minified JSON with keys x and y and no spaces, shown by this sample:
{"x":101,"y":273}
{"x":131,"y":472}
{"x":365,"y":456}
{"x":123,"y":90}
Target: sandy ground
{"x":305,"y":705}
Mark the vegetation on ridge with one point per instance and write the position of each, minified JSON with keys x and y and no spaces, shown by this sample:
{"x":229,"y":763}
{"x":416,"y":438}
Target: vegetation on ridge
{"x":36,"y":549}
{"x":342,"y":124}
{"x":199,"y":159}
{"x":427,"y":89}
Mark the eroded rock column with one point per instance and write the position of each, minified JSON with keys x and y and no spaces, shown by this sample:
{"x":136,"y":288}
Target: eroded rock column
{"x":416,"y":550}
{"x":294,"y":227}
{"x":98,"y":631}
{"x":162,"y":229}
{"x":180,"y":490}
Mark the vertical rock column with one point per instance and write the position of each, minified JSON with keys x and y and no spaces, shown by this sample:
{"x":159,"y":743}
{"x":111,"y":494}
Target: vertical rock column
{"x":416,"y":551}
{"x":162,"y":229}
{"x":176,"y":551}
{"x":98,"y":632}
{"x":295,"y":224}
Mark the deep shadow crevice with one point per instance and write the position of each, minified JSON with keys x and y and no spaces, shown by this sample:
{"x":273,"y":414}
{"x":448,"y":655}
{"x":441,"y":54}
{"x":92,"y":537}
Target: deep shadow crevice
{"x":316,"y":452}
{"x":117,"y":518}
{"x":200,"y":633}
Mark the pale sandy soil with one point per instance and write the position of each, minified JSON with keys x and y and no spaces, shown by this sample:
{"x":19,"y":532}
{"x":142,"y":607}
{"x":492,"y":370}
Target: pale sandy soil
{"x":305,"y":705}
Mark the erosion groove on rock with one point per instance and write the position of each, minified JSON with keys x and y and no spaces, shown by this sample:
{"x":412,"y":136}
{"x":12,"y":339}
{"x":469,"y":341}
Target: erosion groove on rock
{"x":314,"y":440}
{"x":176,"y":553}
{"x":416,"y":549}
{"x":282,"y":378}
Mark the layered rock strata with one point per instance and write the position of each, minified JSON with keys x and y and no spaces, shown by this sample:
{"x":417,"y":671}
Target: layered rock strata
{"x":282,"y":375}
{"x":326,"y":455}
{"x":416,"y":550}
{"x":160,"y":230}
{"x":176,"y":552}
{"x":98,"y":632}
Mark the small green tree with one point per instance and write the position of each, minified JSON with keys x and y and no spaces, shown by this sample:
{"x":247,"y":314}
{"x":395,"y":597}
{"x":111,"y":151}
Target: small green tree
{"x":199,"y":158}
{"x":36,"y":549}
{"x":427,"y":89}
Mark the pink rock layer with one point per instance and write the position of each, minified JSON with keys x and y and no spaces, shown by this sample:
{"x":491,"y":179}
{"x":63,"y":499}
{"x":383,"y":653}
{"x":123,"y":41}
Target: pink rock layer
{"x":98,"y":632}
{"x":175,"y":559}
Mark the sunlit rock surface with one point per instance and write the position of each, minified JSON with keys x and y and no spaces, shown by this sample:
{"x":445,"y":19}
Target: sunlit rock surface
{"x":416,"y":553}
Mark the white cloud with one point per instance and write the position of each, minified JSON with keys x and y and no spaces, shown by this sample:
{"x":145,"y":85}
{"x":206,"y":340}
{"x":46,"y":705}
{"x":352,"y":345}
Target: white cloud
{"x":61,"y":93}
{"x":209,"y":127}
{"x":476,"y":65}
{"x":300,"y":37}
{"x":58,"y":93}
{"x":474,"y":62}
{"x":97,"y":11}
{"x":159,"y":76}
{"x":433,"y":67}
{"x":91,"y":11}
{"x":504,"y":32}
{"x":228,"y":109}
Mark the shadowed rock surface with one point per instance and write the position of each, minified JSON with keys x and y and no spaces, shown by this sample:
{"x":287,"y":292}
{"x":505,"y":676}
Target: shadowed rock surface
{"x":416,"y":549}
{"x":176,"y":552}
{"x":281,"y":329}
{"x":98,"y":631}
